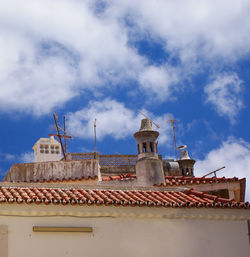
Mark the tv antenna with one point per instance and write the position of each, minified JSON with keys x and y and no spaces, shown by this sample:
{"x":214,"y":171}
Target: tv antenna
{"x":172,"y":120}
{"x":152,"y":122}
{"x":59,"y":135}
{"x":214,"y":172}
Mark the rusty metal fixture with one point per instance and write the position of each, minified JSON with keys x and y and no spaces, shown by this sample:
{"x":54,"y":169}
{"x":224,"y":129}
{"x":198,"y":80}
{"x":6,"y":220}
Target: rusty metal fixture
{"x":62,"y":229}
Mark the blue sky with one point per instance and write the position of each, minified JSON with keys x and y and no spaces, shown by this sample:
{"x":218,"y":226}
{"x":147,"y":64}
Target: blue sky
{"x":107,"y":59}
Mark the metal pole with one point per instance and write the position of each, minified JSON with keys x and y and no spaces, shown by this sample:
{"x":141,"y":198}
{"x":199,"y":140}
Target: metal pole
{"x":64,"y":133}
{"x":175,"y":141}
{"x":95,"y":134}
{"x":60,"y":138}
{"x":214,"y":171}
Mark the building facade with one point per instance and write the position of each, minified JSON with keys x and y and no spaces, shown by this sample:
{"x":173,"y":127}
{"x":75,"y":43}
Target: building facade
{"x":88,"y":206}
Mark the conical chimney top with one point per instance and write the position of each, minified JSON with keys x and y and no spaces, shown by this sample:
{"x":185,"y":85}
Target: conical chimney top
{"x":146,"y":125}
{"x":184,"y":155}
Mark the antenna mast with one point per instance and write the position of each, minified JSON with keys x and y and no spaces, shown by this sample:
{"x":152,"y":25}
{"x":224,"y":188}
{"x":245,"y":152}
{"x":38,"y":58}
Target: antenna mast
{"x":64,"y":133}
{"x":214,"y":172}
{"x":95,"y":134}
{"x":59,"y":135}
{"x":173,"y":124}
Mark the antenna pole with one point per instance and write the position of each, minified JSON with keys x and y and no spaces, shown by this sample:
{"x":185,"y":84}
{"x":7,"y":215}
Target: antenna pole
{"x":214,"y":171}
{"x":175,"y":148}
{"x":95,"y":133}
{"x":174,"y":140}
{"x":64,"y":133}
{"x":60,"y":138}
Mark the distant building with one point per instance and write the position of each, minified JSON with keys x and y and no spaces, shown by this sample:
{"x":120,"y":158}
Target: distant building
{"x":47,"y":149}
{"x":121,"y":205}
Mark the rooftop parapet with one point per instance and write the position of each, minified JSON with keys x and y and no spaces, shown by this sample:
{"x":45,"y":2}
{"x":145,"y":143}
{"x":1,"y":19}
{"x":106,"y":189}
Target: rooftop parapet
{"x":53,"y":171}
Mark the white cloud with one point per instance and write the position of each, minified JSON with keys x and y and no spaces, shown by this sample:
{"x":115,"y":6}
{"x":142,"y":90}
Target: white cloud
{"x":27,"y":157}
{"x":234,"y":154}
{"x":192,"y":28}
{"x":158,"y":82}
{"x":52,"y":51}
{"x":224,"y":95}
{"x":113,"y":119}
{"x":7,"y":157}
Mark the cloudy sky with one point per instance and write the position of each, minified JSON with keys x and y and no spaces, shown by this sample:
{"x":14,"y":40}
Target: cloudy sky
{"x":107,"y":59}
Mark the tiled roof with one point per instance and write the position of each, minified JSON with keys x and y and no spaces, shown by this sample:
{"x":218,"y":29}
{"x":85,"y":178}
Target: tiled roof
{"x":64,"y":196}
{"x":178,"y":180}
{"x":181,"y":180}
{"x":120,"y":177}
{"x":57,"y":180}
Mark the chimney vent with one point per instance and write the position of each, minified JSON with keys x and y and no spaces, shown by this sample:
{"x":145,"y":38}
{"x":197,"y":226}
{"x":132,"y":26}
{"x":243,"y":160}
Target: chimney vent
{"x":149,"y":169}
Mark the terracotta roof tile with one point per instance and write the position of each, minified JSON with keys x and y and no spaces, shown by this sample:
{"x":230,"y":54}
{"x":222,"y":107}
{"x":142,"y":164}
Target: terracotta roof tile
{"x":64,"y":196}
{"x":178,"y":180}
{"x":57,"y":180}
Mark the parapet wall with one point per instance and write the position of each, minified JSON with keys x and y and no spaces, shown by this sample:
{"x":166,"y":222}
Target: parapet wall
{"x":53,"y":171}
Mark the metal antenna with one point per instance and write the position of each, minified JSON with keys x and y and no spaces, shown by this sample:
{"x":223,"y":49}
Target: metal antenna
{"x":64,"y":133}
{"x":172,"y":120}
{"x":213,"y":172}
{"x":152,"y":122}
{"x":95,"y":134}
{"x":59,"y":135}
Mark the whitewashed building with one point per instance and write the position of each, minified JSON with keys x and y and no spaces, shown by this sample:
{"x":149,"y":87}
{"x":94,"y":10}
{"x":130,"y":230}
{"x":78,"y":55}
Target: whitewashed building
{"x":67,"y":208}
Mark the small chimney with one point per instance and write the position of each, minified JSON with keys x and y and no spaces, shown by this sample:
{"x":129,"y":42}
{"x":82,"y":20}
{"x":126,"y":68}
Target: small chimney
{"x":186,"y":164}
{"x":149,"y":169}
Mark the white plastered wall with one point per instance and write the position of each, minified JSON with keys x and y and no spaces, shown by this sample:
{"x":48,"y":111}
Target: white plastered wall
{"x":126,"y":231}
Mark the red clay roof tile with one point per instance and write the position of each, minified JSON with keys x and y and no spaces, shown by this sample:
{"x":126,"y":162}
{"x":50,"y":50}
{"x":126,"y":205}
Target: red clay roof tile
{"x":187,"y":198}
{"x":177,"y":180}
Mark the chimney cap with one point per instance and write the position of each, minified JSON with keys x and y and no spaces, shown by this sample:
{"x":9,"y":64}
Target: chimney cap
{"x":146,"y":125}
{"x":184,"y":155}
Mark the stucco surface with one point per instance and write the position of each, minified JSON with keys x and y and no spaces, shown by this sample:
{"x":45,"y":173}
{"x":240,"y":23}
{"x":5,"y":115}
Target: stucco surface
{"x":126,"y":235}
{"x":3,"y":240}
{"x":58,"y":170}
